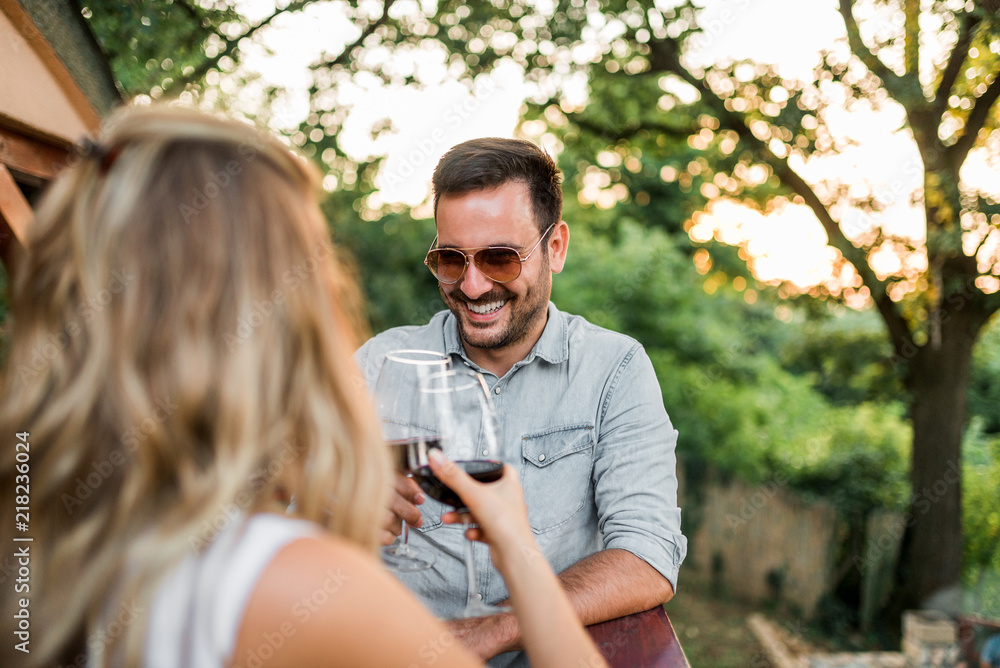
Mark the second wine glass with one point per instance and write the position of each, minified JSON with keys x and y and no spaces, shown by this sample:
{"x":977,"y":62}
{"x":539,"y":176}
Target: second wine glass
{"x":408,"y":431}
{"x":465,"y":418}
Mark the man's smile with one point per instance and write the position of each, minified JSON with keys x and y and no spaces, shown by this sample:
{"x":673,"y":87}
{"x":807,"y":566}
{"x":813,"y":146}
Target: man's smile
{"x":486,"y":308}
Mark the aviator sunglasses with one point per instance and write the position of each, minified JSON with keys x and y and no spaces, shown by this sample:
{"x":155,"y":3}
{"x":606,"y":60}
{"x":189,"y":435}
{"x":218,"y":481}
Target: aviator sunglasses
{"x":500,"y":264}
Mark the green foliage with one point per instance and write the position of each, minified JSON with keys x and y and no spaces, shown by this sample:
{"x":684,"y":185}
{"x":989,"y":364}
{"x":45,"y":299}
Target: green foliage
{"x":389,"y":255}
{"x":984,"y":384}
{"x":816,"y":399}
{"x":151,"y":45}
{"x":847,"y":356}
{"x":981,"y":519}
{"x":717,"y":358}
{"x":867,"y":459}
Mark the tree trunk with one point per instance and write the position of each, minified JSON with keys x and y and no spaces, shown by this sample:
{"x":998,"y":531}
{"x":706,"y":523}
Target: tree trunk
{"x":938,"y":381}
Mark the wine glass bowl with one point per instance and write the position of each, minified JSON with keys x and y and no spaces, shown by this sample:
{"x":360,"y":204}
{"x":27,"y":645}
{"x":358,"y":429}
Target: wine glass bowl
{"x":407,"y":432}
{"x":469,"y":435}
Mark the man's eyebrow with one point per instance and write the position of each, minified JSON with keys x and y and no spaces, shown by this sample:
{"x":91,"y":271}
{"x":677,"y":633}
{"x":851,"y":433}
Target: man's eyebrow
{"x":500,"y":245}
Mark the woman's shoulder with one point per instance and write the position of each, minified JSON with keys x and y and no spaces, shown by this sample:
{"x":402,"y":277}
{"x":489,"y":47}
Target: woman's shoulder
{"x":323,"y":596}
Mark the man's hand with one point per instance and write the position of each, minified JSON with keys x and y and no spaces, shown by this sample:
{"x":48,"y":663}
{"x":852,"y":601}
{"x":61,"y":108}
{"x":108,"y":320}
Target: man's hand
{"x":486,"y":636}
{"x":406,"y":496}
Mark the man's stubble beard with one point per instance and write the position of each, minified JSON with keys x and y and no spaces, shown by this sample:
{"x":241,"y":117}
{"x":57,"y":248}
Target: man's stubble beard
{"x":524,"y":312}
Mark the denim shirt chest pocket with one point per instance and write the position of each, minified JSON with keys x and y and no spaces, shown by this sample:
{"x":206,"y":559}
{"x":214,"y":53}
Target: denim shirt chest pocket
{"x":556,"y":474}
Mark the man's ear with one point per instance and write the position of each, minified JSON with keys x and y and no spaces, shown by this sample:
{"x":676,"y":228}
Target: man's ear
{"x":557,"y":246}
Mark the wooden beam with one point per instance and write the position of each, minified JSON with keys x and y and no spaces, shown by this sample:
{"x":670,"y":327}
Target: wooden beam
{"x":15,"y":217}
{"x":33,"y":160}
{"x":15,"y":212}
{"x":26,"y":26}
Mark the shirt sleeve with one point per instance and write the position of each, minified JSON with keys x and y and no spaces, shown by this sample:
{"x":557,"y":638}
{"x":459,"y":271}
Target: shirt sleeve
{"x":635,"y":469}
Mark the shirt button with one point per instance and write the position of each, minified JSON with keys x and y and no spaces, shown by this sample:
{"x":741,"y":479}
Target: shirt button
{"x":496,"y":390}
{"x":541,"y":458}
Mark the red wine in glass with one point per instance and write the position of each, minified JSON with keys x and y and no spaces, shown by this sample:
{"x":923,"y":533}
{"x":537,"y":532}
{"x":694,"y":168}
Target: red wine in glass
{"x":484,"y":470}
{"x":398,"y":404}
{"x":459,"y":404}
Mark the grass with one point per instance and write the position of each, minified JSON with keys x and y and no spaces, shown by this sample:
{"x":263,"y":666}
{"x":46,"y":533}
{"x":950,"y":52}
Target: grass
{"x":712,"y":629}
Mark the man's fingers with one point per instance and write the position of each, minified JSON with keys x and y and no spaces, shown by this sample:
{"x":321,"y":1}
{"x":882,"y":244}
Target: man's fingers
{"x":387,"y":538}
{"x":408,"y":489}
{"x":404,"y":510}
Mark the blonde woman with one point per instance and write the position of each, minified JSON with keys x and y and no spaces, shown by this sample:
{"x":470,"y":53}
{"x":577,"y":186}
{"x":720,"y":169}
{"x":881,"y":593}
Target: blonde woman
{"x":179,"y":366}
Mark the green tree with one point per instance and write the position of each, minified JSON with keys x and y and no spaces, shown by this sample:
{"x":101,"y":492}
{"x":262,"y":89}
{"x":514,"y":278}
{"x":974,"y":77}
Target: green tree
{"x":747,"y":115}
{"x":748,"y":134}
{"x":933,"y":321}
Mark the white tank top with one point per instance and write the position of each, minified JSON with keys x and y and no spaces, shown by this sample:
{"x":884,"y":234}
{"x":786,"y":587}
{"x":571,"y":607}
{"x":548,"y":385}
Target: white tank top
{"x":197,"y":611}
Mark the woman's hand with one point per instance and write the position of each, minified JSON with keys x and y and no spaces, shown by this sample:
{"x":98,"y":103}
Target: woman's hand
{"x":497,"y":507}
{"x":552,"y":633}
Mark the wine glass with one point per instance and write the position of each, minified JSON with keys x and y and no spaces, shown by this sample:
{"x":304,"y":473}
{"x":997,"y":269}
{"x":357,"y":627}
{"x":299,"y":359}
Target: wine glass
{"x":406,"y":428}
{"x":469,"y":429}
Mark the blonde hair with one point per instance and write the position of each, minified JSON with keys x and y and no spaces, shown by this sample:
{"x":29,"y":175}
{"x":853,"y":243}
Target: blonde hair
{"x":180,"y":347}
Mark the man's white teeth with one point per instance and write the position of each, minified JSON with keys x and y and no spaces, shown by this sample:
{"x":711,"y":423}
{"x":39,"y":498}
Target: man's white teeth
{"x":483,"y":309}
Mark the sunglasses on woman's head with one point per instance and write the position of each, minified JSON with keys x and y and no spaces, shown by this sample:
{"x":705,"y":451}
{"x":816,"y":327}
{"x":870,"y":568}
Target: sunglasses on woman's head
{"x":500,"y":264}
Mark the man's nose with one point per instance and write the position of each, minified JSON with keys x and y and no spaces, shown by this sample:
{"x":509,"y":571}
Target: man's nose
{"x":474,"y":283}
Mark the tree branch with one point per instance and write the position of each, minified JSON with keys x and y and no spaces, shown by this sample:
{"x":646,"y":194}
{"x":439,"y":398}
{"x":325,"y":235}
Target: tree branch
{"x":958,"y":151}
{"x":892,"y":81}
{"x":982,"y":242}
{"x":911,"y":37}
{"x":189,"y":10}
{"x":991,"y":304}
{"x":629,"y":130}
{"x":955,"y":61}
{"x":230,"y":49}
{"x":369,"y":29}
{"x":666,"y":53}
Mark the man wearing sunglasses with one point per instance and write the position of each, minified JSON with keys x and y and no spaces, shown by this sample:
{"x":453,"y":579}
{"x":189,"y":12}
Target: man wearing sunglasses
{"x":581,"y":411}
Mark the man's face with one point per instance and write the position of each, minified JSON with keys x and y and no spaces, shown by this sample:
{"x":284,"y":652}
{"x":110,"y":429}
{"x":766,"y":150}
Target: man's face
{"x":494,"y":315}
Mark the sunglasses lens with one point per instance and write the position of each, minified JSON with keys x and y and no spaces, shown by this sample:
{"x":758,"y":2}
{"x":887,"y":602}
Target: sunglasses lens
{"x":499,"y":264}
{"x":446,"y":265}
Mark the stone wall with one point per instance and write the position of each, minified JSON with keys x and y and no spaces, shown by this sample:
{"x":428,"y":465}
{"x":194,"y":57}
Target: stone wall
{"x":761,"y":543}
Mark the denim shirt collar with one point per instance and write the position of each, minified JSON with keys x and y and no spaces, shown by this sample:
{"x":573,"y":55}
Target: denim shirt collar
{"x":552,"y":346}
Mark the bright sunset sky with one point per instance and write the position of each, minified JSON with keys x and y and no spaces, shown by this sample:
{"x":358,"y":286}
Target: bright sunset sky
{"x":788,"y":244}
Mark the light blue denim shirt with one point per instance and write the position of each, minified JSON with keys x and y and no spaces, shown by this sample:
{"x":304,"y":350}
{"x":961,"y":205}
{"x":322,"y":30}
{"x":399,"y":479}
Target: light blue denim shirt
{"x":583,"y":421}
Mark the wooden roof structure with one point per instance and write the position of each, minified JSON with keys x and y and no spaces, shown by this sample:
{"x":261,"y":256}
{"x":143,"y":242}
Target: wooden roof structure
{"x":55,"y":87}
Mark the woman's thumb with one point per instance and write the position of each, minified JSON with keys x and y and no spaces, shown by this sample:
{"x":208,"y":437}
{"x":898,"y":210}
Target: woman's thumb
{"x":447,"y":471}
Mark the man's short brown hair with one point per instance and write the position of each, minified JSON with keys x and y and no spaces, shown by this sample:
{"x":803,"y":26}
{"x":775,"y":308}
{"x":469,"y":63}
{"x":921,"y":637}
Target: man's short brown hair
{"x":490,"y":162}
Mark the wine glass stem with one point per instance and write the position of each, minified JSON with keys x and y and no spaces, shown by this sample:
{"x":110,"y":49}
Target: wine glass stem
{"x":470,"y":568}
